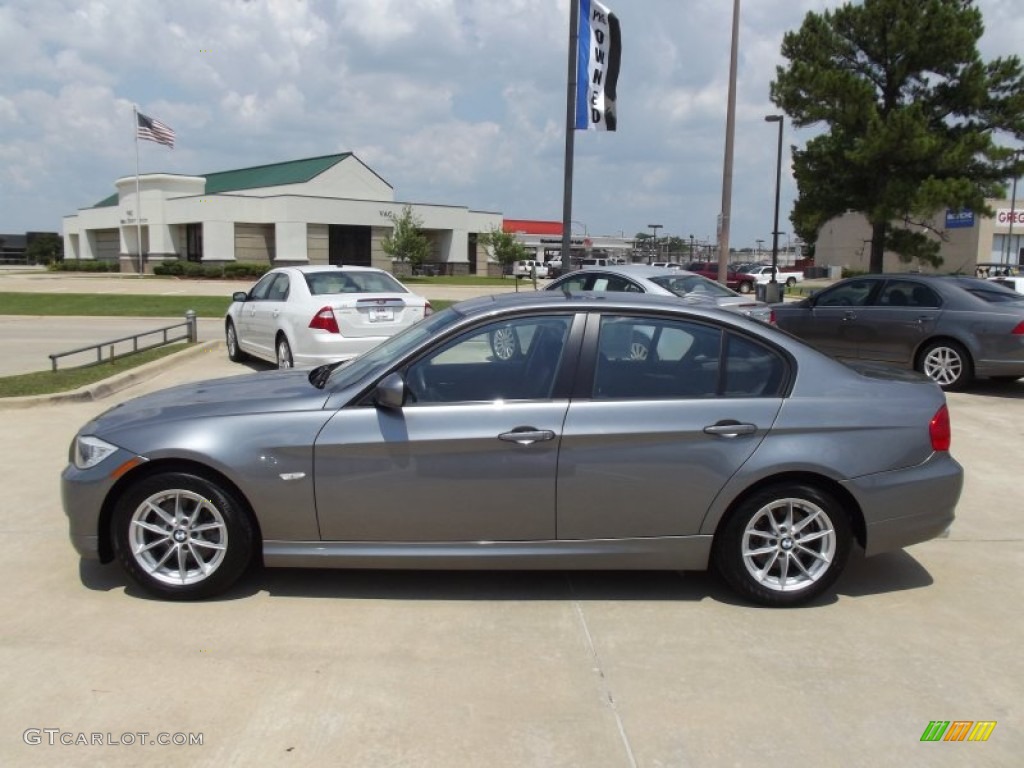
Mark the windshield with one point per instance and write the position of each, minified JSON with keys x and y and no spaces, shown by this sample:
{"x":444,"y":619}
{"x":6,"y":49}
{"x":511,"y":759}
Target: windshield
{"x":380,"y":357}
{"x":330,"y":282}
{"x":686,"y":285}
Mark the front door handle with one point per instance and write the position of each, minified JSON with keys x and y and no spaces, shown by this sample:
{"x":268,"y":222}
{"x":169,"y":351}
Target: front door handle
{"x":527,"y":435}
{"x":849,"y":316}
{"x":730,"y":428}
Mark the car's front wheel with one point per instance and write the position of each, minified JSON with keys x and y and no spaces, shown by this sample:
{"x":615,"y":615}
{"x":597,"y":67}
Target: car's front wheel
{"x":181,"y":536}
{"x":284,"y":354}
{"x":783,"y":545}
{"x":746,"y":287}
{"x":947,"y":364}
{"x":235,"y":353}
{"x":790,"y":282}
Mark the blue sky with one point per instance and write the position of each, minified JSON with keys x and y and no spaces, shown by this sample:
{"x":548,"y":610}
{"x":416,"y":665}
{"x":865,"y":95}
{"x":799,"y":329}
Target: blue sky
{"x":452,"y":101}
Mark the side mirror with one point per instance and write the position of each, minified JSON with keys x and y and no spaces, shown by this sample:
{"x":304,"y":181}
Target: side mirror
{"x":390,"y":392}
{"x":240,"y":296}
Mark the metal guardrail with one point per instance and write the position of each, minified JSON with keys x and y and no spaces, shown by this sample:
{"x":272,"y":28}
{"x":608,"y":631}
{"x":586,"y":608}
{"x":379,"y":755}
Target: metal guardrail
{"x":190,"y":334}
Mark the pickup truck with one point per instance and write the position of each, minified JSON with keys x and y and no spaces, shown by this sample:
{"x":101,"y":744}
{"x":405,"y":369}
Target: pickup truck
{"x":709,"y":269}
{"x":762,"y":275}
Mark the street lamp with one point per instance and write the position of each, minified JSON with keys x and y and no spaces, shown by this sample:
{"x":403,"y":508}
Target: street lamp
{"x":691,"y":247}
{"x":772,"y":292}
{"x":654,"y":229}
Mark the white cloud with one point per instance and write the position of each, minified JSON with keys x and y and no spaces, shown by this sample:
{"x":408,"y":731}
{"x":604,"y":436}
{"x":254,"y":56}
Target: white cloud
{"x":453,"y":101}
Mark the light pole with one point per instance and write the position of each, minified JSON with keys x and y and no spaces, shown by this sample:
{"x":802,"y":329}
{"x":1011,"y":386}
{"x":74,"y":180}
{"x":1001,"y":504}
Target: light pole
{"x":1013,"y":214}
{"x":654,"y":229}
{"x":691,"y":247}
{"x":772,"y":292}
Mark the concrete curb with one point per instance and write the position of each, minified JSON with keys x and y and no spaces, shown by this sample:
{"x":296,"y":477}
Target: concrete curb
{"x":107,"y":387}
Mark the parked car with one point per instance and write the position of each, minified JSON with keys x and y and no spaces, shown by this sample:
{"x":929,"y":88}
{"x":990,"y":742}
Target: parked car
{"x":709,"y":269}
{"x":763,"y":275}
{"x":306,"y":316}
{"x":662,"y":281}
{"x":530,"y":268}
{"x":951,"y":328}
{"x":1008,"y":275}
{"x":732,"y":444}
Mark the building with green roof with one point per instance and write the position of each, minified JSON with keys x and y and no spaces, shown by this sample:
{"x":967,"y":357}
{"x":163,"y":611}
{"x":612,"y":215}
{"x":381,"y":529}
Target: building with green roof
{"x":332,"y":209}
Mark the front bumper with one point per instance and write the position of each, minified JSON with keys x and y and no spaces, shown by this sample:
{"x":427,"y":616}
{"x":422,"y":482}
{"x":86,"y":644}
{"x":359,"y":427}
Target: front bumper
{"x":83,"y":494}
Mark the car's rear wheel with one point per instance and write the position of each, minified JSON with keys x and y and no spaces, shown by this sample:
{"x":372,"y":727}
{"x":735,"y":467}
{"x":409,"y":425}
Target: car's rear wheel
{"x":947,"y":364}
{"x":790,"y":282}
{"x":181,"y":536}
{"x":784,"y":545}
{"x":284,"y":353}
{"x":235,"y":353}
{"x":746,"y":287}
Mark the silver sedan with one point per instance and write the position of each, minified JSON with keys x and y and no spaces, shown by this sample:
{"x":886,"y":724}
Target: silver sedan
{"x":730,"y":444}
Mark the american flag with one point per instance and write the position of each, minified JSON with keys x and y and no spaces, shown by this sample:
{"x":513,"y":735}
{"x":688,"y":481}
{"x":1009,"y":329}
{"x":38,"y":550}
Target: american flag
{"x":154,"y":130}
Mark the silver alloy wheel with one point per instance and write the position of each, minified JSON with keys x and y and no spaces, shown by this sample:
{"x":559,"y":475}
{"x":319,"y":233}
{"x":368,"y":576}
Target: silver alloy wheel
{"x":503,"y":342}
{"x":943,"y":365}
{"x":745,"y":288}
{"x":284,"y":354}
{"x":638,"y":351}
{"x":178,"y":537}
{"x":788,"y":545}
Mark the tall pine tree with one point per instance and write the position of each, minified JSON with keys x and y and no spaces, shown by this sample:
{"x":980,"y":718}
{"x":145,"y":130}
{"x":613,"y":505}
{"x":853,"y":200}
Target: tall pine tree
{"x":916,"y":120}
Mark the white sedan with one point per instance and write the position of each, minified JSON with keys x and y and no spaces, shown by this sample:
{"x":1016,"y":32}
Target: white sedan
{"x":307,"y":316}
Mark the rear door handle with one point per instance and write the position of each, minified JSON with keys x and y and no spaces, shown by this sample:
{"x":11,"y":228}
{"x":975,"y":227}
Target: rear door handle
{"x":527,"y":435}
{"x":730,"y":428}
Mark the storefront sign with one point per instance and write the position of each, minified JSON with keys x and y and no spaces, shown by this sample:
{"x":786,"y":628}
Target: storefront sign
{"x":1003,"y":216}
{"x":959,"y":219}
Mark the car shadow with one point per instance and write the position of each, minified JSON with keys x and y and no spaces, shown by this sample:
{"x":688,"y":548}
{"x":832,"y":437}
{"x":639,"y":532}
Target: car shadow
{"x":1012,"y":390}
{"x":886,"y":573}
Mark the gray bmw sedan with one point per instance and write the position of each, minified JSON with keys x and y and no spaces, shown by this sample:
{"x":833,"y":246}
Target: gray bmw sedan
{"x":729,"y":444}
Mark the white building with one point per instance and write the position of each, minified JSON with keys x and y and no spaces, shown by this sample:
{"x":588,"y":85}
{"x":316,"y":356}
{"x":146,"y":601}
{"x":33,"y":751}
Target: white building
{"x":321,"y":210}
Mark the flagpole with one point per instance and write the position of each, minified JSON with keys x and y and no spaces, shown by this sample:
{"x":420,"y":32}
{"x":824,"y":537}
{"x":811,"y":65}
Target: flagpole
{"x":570,"y":129}
{"x":138,"y":194}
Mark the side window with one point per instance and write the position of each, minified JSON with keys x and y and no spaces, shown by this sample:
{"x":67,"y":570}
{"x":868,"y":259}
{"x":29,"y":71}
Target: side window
{"x":752,"y":370}
{"x":923,"y":296}
{"x":279,"y":289}
{"x":509,"y":360}
{"x":260,"y":290}
{"x":641,"y":358}
{"x":855,"y":293}
{"x":574,"y":283}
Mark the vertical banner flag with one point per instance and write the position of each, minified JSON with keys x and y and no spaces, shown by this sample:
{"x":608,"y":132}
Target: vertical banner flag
{"x":153,"y":130}
{"x":597,"y":67}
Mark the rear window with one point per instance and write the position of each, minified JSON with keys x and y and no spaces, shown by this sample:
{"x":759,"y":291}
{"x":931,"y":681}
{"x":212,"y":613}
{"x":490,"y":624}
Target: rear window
{"x":326,"y":283}
{"x":997,"y":295}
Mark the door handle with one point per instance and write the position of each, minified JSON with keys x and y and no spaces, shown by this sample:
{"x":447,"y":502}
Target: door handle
{"x":849,"y":316}
{"x":730,"y":428}
{"x":527,"y":435}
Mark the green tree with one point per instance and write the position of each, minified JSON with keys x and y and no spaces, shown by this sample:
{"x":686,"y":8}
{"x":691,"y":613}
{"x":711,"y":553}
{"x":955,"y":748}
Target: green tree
{"x":504,"y":246}
{"x":913,"y":116}
{"x":45,"y":248}
{"x":406,"y":241}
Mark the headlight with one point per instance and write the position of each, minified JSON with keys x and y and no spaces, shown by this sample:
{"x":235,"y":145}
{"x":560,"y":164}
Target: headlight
{"x":90,"y":451}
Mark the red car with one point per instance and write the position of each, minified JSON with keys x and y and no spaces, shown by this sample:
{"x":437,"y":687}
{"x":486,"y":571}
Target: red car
{"x":733,"y":279}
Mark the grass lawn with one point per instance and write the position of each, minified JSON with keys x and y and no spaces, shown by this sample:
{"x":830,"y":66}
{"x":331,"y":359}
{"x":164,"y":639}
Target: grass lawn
{"x":111,"y":305}
{"x":48,"y":382}
{"x":118,"y":305}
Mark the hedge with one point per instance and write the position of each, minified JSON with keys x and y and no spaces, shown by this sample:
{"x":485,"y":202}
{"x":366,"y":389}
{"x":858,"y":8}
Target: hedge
{"x":85,"y":265}
{"x":230,"y":270}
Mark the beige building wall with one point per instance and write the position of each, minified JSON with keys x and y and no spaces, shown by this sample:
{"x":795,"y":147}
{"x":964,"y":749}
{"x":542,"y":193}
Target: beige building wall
{"x":318,"y":243}
{"x":846,"y":241}
{"x":254,"y":242}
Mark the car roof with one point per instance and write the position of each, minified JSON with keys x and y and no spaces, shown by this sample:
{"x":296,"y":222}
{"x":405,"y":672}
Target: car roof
{"x":637,"y":270}
{"x":308,"y":268}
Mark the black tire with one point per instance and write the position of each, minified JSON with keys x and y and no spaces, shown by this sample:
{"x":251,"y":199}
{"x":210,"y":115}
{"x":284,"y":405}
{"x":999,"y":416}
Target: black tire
{"x":946,"y":363}
{"x":284,"y":353}
{"x":505,"y":343}
{"x":206,"y":543}
{"x":746,"y":287}
{"x":235,"y":353}
{"x":790,"y":282}
{"x":792,"y":569}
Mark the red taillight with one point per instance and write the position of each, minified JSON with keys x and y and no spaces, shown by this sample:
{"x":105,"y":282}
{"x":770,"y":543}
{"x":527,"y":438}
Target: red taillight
{"x":325,"y":321}
{"x":427,"y":309}
{"x":771,"y":318}
{"x":1019,"y":330}
{"x":940,"y":431}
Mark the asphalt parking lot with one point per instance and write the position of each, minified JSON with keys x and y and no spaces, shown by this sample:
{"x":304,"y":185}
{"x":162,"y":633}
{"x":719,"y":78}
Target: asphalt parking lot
{"x":370,"y":668}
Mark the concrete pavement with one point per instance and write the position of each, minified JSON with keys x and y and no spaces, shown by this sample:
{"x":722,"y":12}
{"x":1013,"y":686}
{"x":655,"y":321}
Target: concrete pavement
{"x":377,"y":668}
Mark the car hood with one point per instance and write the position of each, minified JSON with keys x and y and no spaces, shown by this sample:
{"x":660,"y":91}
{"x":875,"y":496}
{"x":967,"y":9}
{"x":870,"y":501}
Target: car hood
{"x":270,"y":391}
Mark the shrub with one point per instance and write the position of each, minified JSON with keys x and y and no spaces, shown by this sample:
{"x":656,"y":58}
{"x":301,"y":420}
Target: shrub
{"x":169,"y":267}
{"x":85,"y":265}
